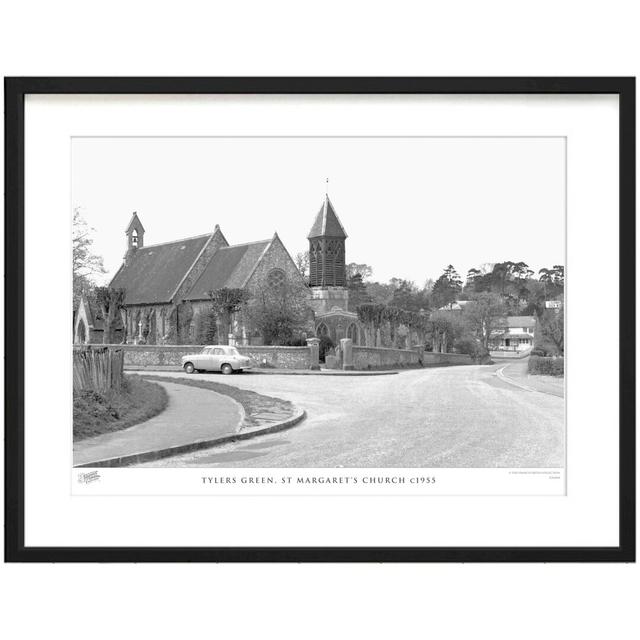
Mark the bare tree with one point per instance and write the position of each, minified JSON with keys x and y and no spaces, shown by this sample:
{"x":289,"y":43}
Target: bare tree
{"x":86,"y":265}
{"x":302,"y":263}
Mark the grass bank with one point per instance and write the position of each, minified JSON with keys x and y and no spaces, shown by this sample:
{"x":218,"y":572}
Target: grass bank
{"x":256,"y":406}
{"x":97,"y":413}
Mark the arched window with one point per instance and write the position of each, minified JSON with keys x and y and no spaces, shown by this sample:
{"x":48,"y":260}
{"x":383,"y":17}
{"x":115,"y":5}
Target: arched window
{"x":322,"y":330}
{"x":134,"y":238}
{"x":352,"y":333}
{"x":276,"y":278}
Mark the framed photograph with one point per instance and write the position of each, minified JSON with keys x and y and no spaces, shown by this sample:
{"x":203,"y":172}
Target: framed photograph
{"x":320,"y":319}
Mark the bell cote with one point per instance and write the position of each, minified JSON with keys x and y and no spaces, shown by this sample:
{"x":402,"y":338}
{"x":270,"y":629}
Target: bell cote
{"x":135,"y":233}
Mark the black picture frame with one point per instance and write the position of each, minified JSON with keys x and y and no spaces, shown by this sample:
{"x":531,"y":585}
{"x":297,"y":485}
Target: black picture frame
{"x":15,"y":91}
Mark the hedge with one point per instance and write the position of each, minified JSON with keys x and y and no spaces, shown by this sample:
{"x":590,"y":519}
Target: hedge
{"x":539,"y":365}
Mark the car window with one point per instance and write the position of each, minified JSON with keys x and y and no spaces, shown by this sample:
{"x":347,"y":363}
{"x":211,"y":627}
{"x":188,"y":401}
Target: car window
{"x":218,"y":352}
{"x":232,"y":351}
{"x":207,"y":351}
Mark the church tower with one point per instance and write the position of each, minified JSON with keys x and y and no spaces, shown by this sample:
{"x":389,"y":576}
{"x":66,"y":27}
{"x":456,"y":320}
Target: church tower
{"x":326,"y":249}
{"x":327,"y":270}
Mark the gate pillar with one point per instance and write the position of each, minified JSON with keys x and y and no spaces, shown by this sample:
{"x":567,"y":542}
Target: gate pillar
{"x":346,"y":346}
{"x":314,"y":353}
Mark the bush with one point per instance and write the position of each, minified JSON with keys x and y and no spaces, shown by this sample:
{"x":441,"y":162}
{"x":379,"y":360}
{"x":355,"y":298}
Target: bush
{"x":472,"y":347}
{"x":540,"y":365}
{"x":206,"y":328}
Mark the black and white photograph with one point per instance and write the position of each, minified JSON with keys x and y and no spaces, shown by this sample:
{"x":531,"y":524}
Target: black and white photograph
{"x":319,"y":302}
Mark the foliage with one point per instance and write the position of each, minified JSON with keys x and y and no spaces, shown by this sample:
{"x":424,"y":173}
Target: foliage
{"x":447,"y":288}
{"x":471,"y":346}
{"x":363,"y":270}
{"x":225,"y":302}
{"x":137,"y":400}
{"x":482,"y":316}
{"x":408,"y":297}
{"x":357,"y":292}
{"x":86,"y":265}
{"x":302,"y":264}
{"x":521,"y":292}
{"x":371,"y":316}
{"x":393,"y":316}
{"x":280,"y":314}
{"x":206,"y":329}
{"x":549,"y":335}
{"x":110,"y":301}
{"x":445,"y":327}
{"x":380,"y":292}
{"x":539,"y":365}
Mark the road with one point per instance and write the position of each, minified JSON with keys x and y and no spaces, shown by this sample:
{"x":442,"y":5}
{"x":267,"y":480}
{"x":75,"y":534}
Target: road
{"x":461,"y":416}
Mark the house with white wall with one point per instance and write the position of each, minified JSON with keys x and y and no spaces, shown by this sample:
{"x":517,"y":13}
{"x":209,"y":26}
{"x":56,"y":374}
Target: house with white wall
{"x":514,"y":333}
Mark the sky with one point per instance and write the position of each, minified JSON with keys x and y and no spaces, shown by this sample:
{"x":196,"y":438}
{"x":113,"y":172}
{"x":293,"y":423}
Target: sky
{"x":410,"y":206}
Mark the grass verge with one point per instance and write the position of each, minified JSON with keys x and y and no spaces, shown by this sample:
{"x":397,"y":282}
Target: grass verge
{"x":256,"y":406}
{"x":97,"y":413}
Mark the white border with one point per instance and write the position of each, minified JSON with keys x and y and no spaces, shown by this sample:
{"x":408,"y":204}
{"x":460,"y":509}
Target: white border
{"x":587,"y":516}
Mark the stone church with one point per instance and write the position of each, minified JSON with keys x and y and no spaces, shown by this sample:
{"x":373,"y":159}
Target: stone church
{"x":166,"y":285}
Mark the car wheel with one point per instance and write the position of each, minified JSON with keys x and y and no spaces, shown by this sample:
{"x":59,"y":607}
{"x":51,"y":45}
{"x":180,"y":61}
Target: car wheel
{"x":189,"y":368}
{"x":226,"y":369}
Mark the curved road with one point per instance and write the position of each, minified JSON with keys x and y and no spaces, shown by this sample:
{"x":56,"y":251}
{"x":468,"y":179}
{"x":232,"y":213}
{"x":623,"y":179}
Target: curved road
{"x":461,"y":416}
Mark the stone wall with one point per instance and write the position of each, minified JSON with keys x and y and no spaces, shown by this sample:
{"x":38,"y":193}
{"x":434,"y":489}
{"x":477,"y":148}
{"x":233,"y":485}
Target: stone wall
{"x":431,"y":359}
{"x":278,"y":357}
{"x":365,"y":358}
{"x":170,"y":355}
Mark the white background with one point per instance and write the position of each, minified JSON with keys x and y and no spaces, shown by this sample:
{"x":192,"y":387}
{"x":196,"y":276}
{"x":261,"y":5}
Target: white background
{"x":462,"y":38}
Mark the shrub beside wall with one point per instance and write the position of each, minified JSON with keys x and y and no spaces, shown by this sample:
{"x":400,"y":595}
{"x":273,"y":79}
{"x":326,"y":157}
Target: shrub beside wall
{"x":541,"y":365}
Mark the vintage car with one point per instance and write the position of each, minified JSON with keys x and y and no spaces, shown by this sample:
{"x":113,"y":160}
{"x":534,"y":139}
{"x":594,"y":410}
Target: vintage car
{"x":216,"y":358}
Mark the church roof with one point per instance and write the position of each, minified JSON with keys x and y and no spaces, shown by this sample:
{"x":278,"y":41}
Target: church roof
{"x":327,"y":223}
{"x":229,"y":267}
{"x":152,"y":273}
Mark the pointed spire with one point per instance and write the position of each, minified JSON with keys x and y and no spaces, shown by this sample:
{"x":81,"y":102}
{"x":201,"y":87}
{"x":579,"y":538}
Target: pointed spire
{"x":327,"y":224}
